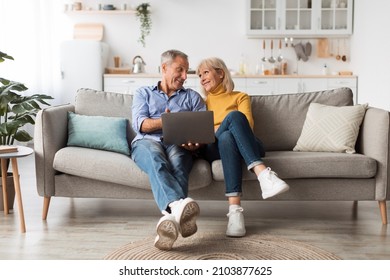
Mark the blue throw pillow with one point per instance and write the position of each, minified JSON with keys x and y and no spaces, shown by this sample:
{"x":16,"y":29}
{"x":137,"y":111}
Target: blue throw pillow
{"x":98,"y":132}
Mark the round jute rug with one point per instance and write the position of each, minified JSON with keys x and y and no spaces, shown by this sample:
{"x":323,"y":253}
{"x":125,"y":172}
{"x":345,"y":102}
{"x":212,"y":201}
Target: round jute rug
{"x":213,"y":246}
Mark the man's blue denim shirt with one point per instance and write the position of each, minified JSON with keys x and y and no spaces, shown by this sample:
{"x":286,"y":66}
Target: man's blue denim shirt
{"x":150,"y":102}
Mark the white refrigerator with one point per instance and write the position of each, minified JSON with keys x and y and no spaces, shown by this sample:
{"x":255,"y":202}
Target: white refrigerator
{"x":83,"y":63}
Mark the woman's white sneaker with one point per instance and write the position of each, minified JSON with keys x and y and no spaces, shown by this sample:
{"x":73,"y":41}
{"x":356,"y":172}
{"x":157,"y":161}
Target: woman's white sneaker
{"x":271,"y":184}
{"x":236,"y":223}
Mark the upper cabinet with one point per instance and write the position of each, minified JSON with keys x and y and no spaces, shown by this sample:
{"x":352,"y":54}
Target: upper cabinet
{"x":299,"y":18}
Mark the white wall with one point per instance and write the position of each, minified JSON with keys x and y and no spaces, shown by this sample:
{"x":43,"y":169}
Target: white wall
{"x":370,"y":50}
{"x":204,"y":28}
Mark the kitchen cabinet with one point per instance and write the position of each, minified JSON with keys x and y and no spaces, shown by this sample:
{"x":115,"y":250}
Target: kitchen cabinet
{"x":299,"y":18}
{"x":260,"y":86}
{"x":293,"y":85}
{"x":253,"y":85}
{"x":127,"y":84}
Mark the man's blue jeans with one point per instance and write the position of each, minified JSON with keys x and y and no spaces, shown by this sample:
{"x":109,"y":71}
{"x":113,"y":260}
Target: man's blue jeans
{"x":235,"y":142}
{"x":168,"y":168}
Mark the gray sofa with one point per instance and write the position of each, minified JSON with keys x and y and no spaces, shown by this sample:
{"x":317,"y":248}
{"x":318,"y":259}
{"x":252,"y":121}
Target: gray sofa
{"x":313,"y":176}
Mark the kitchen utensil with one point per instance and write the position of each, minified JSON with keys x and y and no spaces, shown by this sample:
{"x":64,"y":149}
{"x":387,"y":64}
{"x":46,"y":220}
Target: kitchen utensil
{"x":323,"y":47}
{"x":138,"y":65}
{"x":338,"y":56}
{"x":300,"y":52}
{"x":264,"y":59}
{"x":331,"y":47}
{"x":308,"y":48}
{"x":272,"y":58}
{"x":344,"y":57}
{"x":280,"y":57}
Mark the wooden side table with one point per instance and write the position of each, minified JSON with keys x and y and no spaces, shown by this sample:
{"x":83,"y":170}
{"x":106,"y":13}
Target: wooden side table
{"x":13,"y":156}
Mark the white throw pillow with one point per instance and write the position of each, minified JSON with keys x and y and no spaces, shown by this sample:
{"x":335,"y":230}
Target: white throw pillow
{"x":331,"y":128}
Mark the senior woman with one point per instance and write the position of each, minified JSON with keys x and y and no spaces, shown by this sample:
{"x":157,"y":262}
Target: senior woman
{"x":235,"y":140}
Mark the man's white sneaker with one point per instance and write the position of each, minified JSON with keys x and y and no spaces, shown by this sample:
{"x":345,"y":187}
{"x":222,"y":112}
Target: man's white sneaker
{"x":167,"y":232}
{"x":186,"y":211}
{"x":270,"y":183}
{"x":236,"y":224}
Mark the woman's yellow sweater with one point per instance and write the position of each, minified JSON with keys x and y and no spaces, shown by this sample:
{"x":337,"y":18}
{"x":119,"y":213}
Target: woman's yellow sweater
{"x":222,"y":103}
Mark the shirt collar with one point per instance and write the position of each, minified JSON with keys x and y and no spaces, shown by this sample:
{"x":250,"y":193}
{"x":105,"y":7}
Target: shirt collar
{"x":156,"y":88}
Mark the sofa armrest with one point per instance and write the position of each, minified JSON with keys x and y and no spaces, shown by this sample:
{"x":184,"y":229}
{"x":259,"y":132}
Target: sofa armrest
{"x":50,"y":135}
{"x":374,"y":142}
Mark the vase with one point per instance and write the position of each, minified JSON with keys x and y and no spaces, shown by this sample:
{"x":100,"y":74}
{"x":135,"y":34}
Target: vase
{"x":10,"y":192}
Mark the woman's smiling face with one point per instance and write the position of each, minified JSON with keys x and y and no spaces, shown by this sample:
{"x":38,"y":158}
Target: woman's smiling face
{"x":210,"y":78}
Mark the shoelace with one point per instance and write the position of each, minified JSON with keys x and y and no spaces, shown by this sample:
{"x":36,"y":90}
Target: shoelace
{"x":240,"y":209}
{"x":271,"y":173}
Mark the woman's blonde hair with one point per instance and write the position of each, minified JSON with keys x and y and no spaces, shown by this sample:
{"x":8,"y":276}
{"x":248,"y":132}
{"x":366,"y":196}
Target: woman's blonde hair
{"x":218,"y":65}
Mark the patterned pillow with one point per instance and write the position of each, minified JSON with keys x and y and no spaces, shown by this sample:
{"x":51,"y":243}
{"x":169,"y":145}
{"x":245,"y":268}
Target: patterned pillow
{"x":331,"y":128}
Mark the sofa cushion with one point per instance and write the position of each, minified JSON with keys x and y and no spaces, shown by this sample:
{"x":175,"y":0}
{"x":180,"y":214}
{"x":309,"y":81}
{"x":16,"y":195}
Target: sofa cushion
{"x":331,"y":128}
{"x":293,"y":165}
{"x":98,"y":132}
{"x":99,"y":103}
{"x":279,"y":118}
{"x":117,"y":168}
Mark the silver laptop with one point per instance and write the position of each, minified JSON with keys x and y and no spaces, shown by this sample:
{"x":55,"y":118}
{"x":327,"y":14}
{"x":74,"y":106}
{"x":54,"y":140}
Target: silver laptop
{"x":184,"y":127}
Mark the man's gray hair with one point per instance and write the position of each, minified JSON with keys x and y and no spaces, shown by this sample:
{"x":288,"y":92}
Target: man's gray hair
{"x":170,"y":55}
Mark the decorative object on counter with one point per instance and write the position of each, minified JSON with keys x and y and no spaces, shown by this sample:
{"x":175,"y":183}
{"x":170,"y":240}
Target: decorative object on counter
{"x":325,"y":69}
{"x":77,"y":6}
{"x":109,"y":7}
{"x":242,"y":66}
{"x":346,"y":73}
{"x":117,"y":61}
{"x":138,"y":65}
{"x":120,"y":70}
{"x":143,"y":15}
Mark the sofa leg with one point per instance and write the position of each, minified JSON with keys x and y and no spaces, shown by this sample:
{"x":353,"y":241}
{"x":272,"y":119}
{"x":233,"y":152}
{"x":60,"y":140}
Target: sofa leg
{"x":46,"y":203}
{"x":383,"y":209}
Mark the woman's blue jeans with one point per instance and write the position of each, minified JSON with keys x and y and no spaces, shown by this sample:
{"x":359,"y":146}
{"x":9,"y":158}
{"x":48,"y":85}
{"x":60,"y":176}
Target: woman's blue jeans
{"x":168,"y":168}
{"x":235,"y":142}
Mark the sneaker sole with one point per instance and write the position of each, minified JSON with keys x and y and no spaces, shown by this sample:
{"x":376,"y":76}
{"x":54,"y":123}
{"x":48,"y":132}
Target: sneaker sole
{"x":167,"y":234}
{"x":235,"y":234}
{"x":277,"y":190}
{"x":188,"y":219}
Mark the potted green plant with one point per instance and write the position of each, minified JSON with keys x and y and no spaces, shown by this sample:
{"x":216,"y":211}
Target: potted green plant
{"x":143,"y":15}
{"x":16,"y":111}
